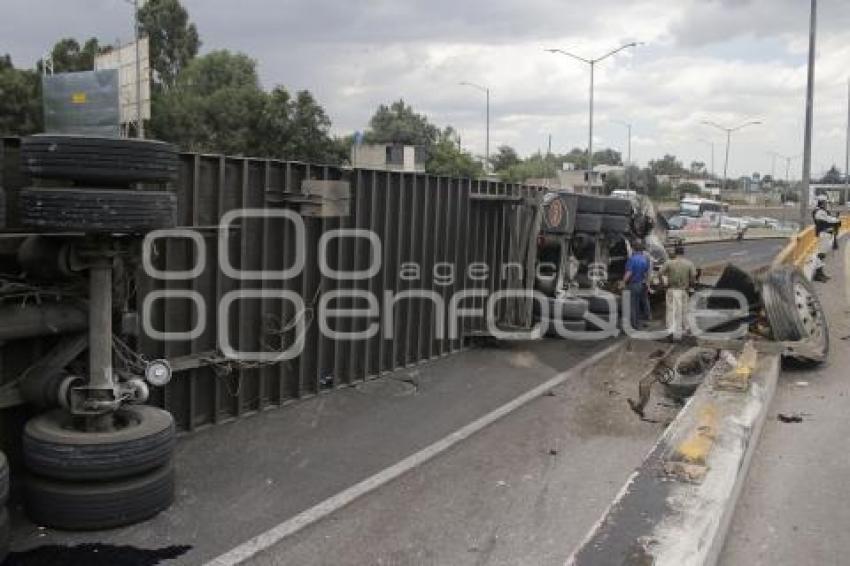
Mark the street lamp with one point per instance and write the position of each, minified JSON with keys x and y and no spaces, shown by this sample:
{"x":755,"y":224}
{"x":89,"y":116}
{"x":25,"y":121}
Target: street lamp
{"x":629,"y":158}
{"x":486,"y":91}
{"x":592,"y":63}
{"x":711,"y":143}
{"x":729,"y":141}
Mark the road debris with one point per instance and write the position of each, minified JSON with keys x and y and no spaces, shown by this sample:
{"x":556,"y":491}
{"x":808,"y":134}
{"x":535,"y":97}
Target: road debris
{"x":790,"y":419}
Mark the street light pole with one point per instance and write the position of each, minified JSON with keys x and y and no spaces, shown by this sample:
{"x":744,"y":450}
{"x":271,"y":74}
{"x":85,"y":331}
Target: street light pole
{"x":711,"y":143}
{"x":729,"y":142}
{"x":486,"y":91}
{"x":810,"y":98}
{"x":629,"y":153}
{"x":592,"y":63}
{"x":847,"y":156}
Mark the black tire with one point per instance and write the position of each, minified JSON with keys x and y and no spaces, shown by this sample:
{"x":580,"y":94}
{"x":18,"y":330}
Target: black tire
{"x":588,"y":223}
{"x":4,"y":479}
{"x":97,"y":211}
{"x":618,"y":206}
{"x":87,"y":506}
{"x":590,"y":204}
{"x":5,"y":534}
{"x":796,"y":315}
{"x":144,"y":440}
{"x":601,"y":304}
{"x":616,"y":224}
{"x":103,"y":160}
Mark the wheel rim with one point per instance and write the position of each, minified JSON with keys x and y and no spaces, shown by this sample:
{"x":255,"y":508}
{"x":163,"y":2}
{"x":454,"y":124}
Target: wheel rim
{"x":811,"y":317}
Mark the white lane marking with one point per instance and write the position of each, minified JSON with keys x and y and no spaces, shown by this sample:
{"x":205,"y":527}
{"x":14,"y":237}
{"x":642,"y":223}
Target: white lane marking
{"x":737,"y":254}
{"x":266,"y":540}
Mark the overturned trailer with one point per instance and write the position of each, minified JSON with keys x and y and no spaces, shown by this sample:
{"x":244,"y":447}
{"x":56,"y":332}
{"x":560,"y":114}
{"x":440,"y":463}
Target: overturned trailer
{"x":144,"y":291}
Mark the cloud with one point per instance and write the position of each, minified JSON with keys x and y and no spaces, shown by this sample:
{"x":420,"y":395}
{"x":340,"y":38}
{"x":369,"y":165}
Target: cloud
{"x":724,"y":60}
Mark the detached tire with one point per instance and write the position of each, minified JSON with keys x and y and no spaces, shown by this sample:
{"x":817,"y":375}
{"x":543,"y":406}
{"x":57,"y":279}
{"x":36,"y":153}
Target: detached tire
{"x":102,"y":160}
{"x":143,"y":440}
{"x":97,"y":211}
{"x":99,"y":505}
{"x":796,"y":315}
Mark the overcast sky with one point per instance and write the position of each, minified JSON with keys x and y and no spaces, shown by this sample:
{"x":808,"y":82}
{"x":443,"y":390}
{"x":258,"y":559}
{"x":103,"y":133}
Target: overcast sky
{"x":723,"y":60}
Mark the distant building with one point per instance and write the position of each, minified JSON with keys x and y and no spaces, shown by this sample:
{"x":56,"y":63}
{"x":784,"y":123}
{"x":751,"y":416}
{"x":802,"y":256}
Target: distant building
{"x":389,"y":157}
{"x":673,"y":180}
{"x":708,"y":186}
{"x":578,"y":181}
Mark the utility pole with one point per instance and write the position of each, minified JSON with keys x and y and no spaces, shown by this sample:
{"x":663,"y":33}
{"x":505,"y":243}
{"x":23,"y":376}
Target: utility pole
{"x":628,"y":152}
{"x":847,"y":157}
{"x":486,"y":91}
{"x":549,"y":150}
{"x":592,"y":63}
{"x":711,"y":143}
{"x":810,"y":99}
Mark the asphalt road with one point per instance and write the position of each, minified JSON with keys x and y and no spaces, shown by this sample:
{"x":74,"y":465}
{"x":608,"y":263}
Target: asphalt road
{"x":794,"y":507}
{"x":748,"y":254}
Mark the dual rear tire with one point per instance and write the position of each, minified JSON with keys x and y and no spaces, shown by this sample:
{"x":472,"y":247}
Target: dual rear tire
{"x":99,"y":480}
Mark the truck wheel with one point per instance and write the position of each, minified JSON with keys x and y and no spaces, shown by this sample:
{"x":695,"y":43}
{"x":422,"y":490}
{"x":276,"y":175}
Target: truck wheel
{"x":618,"y":206}
{"x":616,"y":224}
{"x":4,"y":479}
{"x":602,"y":304}
{"x":590,"y":204}
{"x":5,"y":534}
{"x":102,"y":160}
{"x":97,"y":211}
{"x":96,"y":505}
{"x":796,"y":315}
{"x":588,"y":223}
{"x":143,"y":439}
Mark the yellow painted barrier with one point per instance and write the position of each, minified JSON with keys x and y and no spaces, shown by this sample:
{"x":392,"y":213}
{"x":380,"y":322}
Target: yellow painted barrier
{"x":802,"y":245}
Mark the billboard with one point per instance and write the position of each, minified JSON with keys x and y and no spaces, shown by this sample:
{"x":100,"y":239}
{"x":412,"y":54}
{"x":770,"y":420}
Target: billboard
{"x":82,"y":103}
{"x":123,"y":59}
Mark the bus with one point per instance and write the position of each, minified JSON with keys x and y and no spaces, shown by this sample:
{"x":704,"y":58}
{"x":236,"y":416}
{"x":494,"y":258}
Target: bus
{"x":697,"y":207}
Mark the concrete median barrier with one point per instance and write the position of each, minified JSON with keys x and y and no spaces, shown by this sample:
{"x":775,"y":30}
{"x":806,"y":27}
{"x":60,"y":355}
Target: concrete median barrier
{"x":677,"y":507}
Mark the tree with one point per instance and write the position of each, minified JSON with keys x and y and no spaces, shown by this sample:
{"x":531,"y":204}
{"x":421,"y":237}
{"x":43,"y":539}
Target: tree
{"x":216,"y":105}
{"x":504,"y":158}
{"x":174,"y":41}
{"x":20,"y":100}
{"x":536,"y":166}
{"x":446,"y":157}
{"x":832,"y":177}
{"x":607,"y":157}
{"x":398,"y":123}
{"x":298,"y":130}
{"x":697,"y":168}
{"x":668,"y":165}
{"x":69,"y":57}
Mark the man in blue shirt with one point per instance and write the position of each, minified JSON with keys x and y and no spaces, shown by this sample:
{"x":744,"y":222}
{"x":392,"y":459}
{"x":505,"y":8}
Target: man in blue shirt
{"x":635,"y":281}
